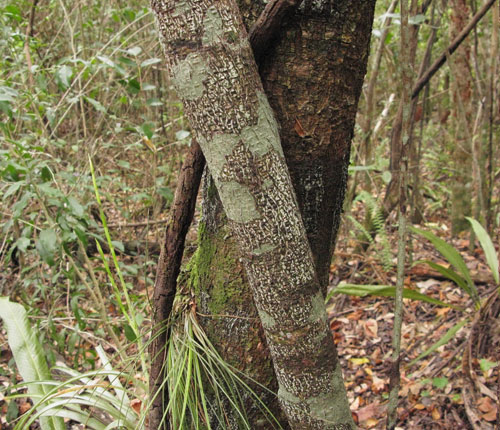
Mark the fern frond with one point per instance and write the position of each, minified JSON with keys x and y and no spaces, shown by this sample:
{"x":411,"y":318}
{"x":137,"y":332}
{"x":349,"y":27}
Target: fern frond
{"x":361,"y":228}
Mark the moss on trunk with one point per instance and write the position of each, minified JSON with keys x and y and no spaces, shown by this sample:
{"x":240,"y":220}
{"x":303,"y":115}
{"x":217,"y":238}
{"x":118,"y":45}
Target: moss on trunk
{"x":226,"y":310}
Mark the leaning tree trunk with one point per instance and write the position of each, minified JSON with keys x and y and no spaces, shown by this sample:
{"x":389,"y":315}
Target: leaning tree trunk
{"x":313,"y":76}
{"x":213,"y":70}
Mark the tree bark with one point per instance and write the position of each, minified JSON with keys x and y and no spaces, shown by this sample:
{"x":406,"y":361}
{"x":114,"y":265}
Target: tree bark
{"x":313,"y":80}
{"x":169,"y":264}
{"x":214,"y":73}
{"x":261,"y":34}
{"x":461,"y":92}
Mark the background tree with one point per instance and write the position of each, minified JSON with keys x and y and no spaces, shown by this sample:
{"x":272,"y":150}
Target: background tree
{"x":462,"y":188}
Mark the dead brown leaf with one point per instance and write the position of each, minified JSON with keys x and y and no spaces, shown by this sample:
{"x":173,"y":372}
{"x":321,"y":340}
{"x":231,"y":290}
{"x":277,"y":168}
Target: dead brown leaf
{"x":136,"y":405}
{"x":371,"y":328}
{"x":24,"y":407}
{"x":486,"y":405}
{"x":369,"y":411}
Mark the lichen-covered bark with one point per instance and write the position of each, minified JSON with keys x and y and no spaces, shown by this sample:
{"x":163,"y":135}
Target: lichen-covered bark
{"x":212,"y":68}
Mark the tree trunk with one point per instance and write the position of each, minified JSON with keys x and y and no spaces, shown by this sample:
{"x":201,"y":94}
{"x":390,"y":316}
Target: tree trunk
{"x":213,"y":71}
{"x":313,"y":76}
{"x":461,"y":188}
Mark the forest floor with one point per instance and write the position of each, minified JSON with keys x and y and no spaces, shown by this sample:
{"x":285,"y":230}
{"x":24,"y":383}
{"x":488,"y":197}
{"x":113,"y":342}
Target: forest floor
{"x":431,"y":388}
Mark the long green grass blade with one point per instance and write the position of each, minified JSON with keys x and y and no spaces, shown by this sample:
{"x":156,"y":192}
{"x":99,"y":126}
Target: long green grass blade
{"x":488,"y":248}
{"x":452,"y":256}
{"x":384,"y":291}
{"x":448,"y":273}
{"x":28,"y":355}
{"x":129,"y":311}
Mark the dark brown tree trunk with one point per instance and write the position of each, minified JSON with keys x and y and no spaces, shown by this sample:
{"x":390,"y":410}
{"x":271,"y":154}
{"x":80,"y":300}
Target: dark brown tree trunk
{"x":172,"y":250}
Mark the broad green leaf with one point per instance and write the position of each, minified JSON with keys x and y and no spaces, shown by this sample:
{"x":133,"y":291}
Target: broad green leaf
{"x":166,"y":193}
{"x":46,"y":174}
{"x":154,"y":102}
{"x":129,"y":333}
{"x":150,"y":62}
{"x":49,"y":191}
{"x":182,"y":134}
{"x":76,"y":207}
{"x":452,"y":256}
{"x":97,"y":106}
{"x":488,"y":247}
{"x":13,"y":188}
{"x":127,"y":61}
{"x":388,"y":15}
{"x":6,"y":109}
{"x":76,"y":311}
{"x":28,"y":355}
{"x":443,"y":341}
{"x":133,"y":86}
{"x":63,"y":76}
{"x":417,"y":19}
{"x":387,"y":176}
{"x":384,"y":291}
{"x":123,"y":163}
{"x":118,"y":244}
{"x":20,"y":205}
{"x":440,"y":382}
{"x":47,"y":246}
{"x":135,"y":51}
{"x":8,"y":94}
{"x":147,"y":129}
{"x":82,"y":235}
{"x":487,"y":365}
{"x":12,"y":411}
{"x":22,"y":244}
{"x":106,"y":61}
{"x":14,"y":12}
